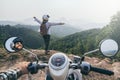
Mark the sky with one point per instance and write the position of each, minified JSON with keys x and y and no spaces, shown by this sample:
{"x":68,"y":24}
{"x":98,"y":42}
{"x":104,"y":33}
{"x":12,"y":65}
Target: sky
{"x":99,"y":11}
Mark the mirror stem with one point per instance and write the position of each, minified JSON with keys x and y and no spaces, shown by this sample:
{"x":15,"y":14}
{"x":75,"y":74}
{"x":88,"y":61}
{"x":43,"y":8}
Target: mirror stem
{"x":83,"y":57}
{"x":32,"y":54}
{"x":93,"y":51}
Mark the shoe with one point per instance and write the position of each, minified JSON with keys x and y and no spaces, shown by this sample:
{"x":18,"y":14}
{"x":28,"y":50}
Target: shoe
{"x":46,"y":52}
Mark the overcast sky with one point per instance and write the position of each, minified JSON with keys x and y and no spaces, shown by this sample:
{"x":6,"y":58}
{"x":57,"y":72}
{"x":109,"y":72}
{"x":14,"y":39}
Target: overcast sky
{"x":89,"y":10}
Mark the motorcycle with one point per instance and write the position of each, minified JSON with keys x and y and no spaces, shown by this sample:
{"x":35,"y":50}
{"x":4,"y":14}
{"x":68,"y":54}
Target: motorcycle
{"x":60,"y":67}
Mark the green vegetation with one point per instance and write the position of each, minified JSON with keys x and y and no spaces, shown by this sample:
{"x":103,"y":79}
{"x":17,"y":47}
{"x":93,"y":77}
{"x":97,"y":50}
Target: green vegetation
{"x":77,"y":43}
{"x":31,"y":38}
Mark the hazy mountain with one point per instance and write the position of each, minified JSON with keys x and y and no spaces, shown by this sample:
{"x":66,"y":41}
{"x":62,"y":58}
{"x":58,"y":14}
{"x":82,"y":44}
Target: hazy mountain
{"x":88,"y":26}
{"x":59,"y":31}
{"x":64,"y":30}
{"x":8,"y":23}
{"x":79,"y":24}
{"x":84,"y":24}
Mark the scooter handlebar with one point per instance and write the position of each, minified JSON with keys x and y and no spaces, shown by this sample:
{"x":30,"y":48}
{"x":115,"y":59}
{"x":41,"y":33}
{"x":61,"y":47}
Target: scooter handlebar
{"x":34,"y":67}
{"x":103,"y":71}
{"x":42,"y":65}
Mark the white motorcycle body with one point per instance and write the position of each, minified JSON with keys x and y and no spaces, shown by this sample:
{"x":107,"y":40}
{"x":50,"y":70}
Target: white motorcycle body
{"x":59,"y":68}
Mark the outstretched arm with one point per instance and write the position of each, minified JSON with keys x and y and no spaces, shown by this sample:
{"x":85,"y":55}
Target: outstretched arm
{"x":54,"y":24}
{"x":37,"y":20}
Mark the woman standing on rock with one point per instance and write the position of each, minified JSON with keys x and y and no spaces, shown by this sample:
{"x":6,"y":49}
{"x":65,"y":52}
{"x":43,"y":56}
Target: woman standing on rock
{"x":45,"y":30}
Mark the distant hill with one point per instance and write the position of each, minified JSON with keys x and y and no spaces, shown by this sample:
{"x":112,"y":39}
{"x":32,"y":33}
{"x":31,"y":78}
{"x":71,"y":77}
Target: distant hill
{"x":8,"y":23}
{"x":58,"y":31}
{"x":79,"y":23}
{"x":63,"y":30}
{"x":77,"y":43}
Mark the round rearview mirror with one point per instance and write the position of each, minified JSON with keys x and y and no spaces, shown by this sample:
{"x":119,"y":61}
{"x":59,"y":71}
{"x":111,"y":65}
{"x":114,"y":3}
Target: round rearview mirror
{"x":109,"y":47}
{"x":13,"y":44}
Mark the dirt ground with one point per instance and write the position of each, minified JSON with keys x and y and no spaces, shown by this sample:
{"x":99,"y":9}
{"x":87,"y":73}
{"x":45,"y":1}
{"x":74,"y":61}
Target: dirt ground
{"x":105,"y":63}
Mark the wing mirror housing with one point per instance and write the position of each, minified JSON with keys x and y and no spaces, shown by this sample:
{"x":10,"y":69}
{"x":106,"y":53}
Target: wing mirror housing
{"x":109,"y":47}
{"x":13,"y":44}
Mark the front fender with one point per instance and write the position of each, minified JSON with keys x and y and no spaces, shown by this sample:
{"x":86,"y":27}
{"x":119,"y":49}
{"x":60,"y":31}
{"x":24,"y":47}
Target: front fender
{"x":74,"y":74}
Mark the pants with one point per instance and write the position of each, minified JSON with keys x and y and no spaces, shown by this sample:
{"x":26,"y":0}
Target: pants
{"x":46,"y":41}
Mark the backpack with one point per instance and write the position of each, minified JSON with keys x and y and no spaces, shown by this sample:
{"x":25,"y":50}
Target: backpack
{"x":43,"y":29}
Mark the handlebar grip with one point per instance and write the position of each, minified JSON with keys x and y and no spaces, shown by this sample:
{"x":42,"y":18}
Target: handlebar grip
{"x":3,"y":76}
{"x":34,"y":67}
{"x":103,"y":71}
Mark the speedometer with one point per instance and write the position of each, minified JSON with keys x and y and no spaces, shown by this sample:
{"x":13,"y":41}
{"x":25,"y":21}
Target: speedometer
{"x":58,"y":60}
